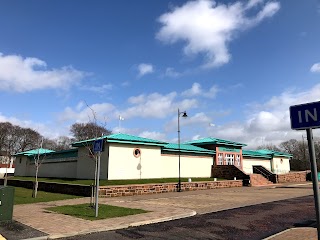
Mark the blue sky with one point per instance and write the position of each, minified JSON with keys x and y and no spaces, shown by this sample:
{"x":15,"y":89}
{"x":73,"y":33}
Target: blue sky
{"x":234,"y":66}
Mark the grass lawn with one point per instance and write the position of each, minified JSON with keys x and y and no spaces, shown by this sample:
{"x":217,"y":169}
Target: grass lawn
{"x":114,"y":182}
{"x":24,"y":195}
{"x":87,"y":212}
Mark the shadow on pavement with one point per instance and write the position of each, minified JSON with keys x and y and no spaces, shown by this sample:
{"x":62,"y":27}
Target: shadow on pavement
{"x":13,"y":230}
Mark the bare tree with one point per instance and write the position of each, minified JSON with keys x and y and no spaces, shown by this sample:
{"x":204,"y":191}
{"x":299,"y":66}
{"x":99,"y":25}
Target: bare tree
{"x":269,"y":146}
{"x":27,"y":138}
{"x":5,"y":129}
{"x":94,"y":131}
{"x":39,"y":157}
{"x":57,"y":144}
{"x":15,"y":139}
{"x":299,"y":152}
{"x":63,"y":143}
{"x":83,"y":131}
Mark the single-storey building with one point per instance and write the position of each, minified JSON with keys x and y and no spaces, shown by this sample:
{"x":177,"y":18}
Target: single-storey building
{"x":6,"y":164}
{"x":127,"y":156}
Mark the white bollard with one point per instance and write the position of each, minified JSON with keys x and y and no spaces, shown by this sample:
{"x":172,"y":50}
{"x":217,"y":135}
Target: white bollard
{"x":215,"y":179}
{"x":235,"y":178}
{"x":189,"y":180}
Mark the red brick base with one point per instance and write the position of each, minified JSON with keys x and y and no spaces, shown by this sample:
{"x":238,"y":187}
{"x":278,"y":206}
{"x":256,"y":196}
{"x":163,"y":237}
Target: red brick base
{"x":141,"y":189}
{"x":292,"y":177}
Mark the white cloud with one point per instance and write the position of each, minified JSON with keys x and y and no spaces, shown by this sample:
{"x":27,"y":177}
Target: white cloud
{"x":137,"y":99}
{"x":80,"y":105}
{"x":196,"y":90}
{"x":145,"y":68}
{"x":197,"y":121}
{"x":156,"y":105}
{"x":207,"y":27}
{"x":153,"y":135}
{"x":170,"y":72}
{"x":102,"y":111}
{"x":268,"y":122}
{"x":254,"y":3}
{"x":27,"y":74}
{"x":98,"y":89}
{"x":125,"y":84}
{"x":315,"y":68}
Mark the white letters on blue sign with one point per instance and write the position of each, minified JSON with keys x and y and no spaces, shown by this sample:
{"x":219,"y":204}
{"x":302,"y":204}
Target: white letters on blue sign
{"x":308,"y":114}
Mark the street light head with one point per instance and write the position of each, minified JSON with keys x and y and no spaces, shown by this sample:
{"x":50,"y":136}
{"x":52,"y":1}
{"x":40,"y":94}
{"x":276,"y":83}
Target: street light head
{"x":184,"y":114}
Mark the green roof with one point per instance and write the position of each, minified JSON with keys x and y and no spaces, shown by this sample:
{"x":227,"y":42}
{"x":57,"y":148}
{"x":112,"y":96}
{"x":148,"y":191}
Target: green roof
{"x":255,"y":154}
{"x":34,"y":152}
{"x":123,"y":138}
{"x":63,"y":154}
{"x":264,"y":153}
{"x":211,"y":140}
{"x":274,"y":153}
{"x":174,"y":147}
{"x":59,"y":156}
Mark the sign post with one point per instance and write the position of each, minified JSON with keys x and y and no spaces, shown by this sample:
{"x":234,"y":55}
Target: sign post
{"x":305,"y":116}
{"x":97,"y":148}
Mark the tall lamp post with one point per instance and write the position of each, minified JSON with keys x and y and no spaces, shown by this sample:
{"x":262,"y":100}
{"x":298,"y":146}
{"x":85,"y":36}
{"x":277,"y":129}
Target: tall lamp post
{"x":184,"y":114}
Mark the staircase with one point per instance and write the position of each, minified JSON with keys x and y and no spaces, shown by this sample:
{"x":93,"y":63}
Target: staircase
{"x":259,"y":180}
{"x":261,"y":176}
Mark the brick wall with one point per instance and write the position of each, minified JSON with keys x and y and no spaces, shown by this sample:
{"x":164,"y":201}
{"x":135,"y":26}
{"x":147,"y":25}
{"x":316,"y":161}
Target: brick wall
{"x":227,"y":172}
{"x":291,"y":177}
{"x":142,"y":189}
{"x":123,"y":190}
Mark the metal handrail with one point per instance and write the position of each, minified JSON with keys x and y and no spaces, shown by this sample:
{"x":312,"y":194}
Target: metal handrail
{"x":266,"y":175}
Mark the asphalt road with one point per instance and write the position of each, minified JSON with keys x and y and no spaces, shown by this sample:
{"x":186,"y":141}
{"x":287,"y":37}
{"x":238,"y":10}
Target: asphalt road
{"x":253,"y":222}
{"x":16,"y":231}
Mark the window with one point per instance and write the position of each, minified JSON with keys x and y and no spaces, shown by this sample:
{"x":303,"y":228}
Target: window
{"x":136,"y":152}
{"x":20,"y":160}
{"x":229,"y":158}
{"x":220,"y":159}
{"x":238,"y":160}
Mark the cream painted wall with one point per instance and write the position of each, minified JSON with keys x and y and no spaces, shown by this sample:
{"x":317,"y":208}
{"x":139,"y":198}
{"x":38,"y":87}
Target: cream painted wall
{"x":86,"y":164}
{"x":124,"y":165}
{"x":190,"y":166}
{"x":20,"y":168}
{"x":151,"y":164}
{"x":249,"y":162}
{"x":279,"y":167}
{"x":55,"y":169}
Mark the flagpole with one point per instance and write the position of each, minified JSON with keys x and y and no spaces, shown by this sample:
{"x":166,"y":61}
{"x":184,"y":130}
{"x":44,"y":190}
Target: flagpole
{"x":120,"y":119}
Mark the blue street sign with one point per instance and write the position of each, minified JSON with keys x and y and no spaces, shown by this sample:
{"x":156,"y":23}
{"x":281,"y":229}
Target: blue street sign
{"x":98,"y":145}
{"x":305,"y":116}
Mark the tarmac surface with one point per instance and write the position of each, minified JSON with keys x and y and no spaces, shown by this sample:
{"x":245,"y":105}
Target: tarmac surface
{"x":162,"y":207}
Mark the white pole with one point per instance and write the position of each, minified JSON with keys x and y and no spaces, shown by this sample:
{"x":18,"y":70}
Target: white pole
{"x":179,"y":184}
{"x":97,"y":185}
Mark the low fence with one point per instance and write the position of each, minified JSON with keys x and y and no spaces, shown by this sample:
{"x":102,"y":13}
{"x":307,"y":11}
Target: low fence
{"x":290,"y":177}
{"x":142,"y":189}
{"x":123,"y":190}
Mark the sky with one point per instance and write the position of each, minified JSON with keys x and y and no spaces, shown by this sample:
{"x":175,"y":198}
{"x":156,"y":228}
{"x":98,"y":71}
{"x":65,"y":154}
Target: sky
{"x":235,"y":67}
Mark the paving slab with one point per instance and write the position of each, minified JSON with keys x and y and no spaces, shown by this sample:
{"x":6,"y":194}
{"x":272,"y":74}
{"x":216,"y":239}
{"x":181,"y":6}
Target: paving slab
{"x":162,"y":207}
{"x":58,"y":225}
